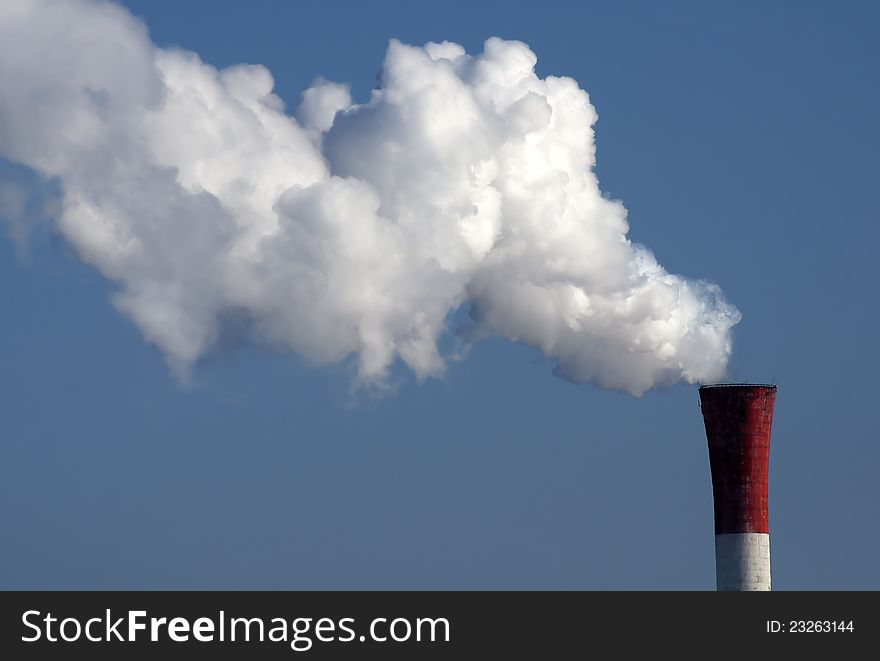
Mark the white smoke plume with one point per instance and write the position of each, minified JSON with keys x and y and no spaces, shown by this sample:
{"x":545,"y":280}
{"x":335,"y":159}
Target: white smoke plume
{"x":345,"y":229}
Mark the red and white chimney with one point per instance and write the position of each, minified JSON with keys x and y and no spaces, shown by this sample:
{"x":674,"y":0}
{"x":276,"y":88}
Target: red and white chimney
{"x":738,"y":418}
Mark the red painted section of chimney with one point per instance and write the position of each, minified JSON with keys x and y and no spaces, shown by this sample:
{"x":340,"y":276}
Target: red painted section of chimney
{"x":738,"y":419}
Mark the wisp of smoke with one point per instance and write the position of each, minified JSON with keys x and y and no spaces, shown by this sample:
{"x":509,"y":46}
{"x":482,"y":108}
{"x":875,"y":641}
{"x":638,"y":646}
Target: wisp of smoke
{"x":345,"y":229}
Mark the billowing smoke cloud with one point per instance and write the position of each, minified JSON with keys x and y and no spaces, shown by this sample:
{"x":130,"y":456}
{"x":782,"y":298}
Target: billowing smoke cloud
{"x":345,"y":229}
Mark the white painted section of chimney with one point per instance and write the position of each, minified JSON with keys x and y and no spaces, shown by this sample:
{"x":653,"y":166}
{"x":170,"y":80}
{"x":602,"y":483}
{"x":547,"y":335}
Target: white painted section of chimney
{"x":742,"y":561}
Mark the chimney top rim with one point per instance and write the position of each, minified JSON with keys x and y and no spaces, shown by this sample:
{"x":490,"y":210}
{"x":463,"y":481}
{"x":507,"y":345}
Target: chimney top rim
{"x":708,"y":386}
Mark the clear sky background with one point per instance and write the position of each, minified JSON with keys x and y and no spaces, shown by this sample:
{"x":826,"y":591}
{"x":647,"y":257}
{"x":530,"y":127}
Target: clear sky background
{"x":743,"y":139}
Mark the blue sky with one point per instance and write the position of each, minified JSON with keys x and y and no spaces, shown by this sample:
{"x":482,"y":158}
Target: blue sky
{"x":742,"y":138}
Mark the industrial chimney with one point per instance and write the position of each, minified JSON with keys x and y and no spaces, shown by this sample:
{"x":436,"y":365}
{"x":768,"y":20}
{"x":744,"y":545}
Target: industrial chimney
{"x":738,"y":418}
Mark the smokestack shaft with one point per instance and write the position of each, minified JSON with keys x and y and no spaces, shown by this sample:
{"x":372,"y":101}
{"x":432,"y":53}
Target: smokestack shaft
{"x":738,"y":420}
